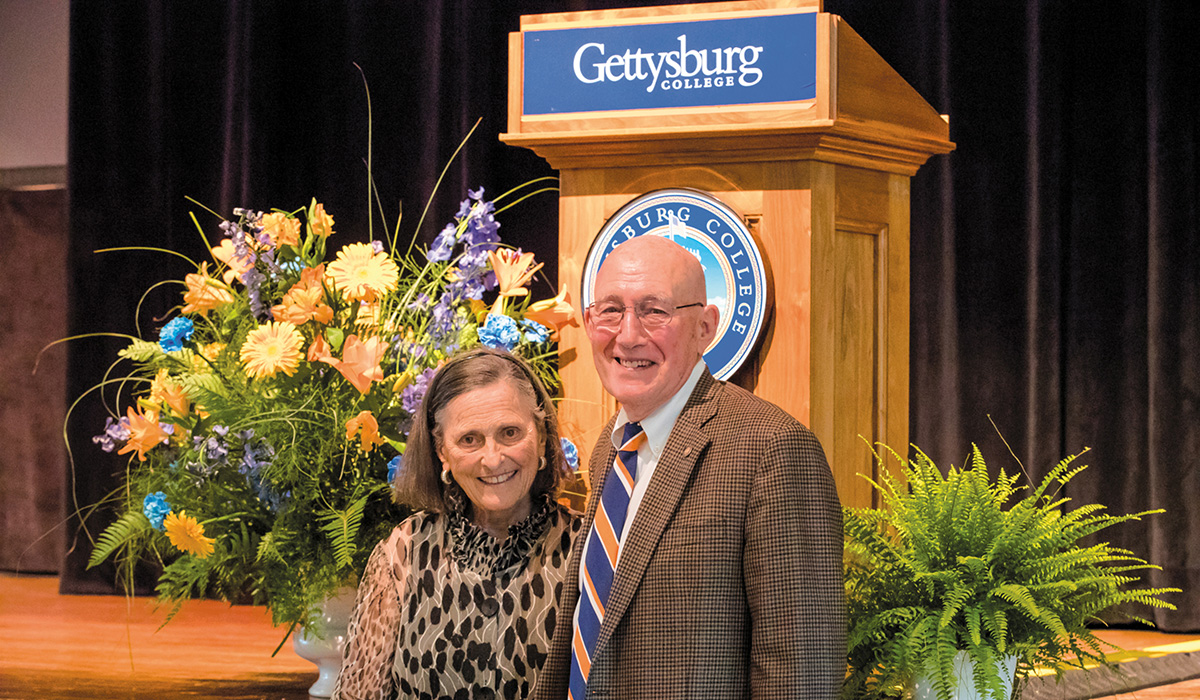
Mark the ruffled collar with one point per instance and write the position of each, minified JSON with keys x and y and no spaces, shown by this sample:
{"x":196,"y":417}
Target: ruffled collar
{"x":474,"y":548}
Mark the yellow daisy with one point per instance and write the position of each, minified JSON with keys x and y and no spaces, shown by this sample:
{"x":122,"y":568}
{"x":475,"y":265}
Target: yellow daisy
{"x":272,"y":347}
{"x":362,"y":274}
{"x":187,"y":534}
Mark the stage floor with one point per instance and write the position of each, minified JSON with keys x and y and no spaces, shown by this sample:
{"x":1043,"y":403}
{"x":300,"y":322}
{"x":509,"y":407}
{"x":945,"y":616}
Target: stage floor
{"x":83,"y":647}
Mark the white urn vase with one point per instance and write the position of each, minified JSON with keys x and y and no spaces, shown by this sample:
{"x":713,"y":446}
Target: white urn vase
{"x":325,"y":649}
{"x":964,"y":669}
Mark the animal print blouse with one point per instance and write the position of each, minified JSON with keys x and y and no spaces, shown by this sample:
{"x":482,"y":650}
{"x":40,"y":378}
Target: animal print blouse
{"x":444,"y":610}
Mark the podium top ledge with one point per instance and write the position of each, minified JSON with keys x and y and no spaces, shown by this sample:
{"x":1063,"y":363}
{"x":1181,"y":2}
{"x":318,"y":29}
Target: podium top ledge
{"x":667,"y":13}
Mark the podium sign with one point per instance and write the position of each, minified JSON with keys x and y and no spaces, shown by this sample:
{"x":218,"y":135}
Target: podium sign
{"x":809,"y":141}
{"x":675,"y":64}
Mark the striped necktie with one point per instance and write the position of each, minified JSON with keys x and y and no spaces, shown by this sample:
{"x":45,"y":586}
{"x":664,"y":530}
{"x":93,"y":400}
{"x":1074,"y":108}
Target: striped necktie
{"x":601,"y":557}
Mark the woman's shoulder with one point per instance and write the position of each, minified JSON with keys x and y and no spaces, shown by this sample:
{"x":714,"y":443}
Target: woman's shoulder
{"x":418,"y":526}
{"x":565,"y":517}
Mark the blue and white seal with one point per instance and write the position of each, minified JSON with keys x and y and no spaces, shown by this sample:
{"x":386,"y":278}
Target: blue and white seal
{"x":734,"y":272}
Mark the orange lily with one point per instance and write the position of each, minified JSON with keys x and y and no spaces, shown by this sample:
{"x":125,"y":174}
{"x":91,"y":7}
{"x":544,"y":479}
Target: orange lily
{"x":319,"y":350}
{"x":304,"y":301}
{"x":281,"y":228}
{"x":165,"y":391}
{"x":553,"y":313}
{"x":513,"y":271}
{"x":227,"y":254}
{"x":145,"y":433}
{"x":203,"y":292}
{"x":369,"y":427}
{"x":320,"y":224}
{"x":360,"y":361}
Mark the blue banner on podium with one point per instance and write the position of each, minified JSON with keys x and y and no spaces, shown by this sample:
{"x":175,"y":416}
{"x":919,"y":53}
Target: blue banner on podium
{"x":746,"y":60}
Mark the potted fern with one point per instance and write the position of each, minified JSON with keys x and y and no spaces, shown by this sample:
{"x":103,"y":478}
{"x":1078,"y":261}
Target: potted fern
{"x":960,"y":582}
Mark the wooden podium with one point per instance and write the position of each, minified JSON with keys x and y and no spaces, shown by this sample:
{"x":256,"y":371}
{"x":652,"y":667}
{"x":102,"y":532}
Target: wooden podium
{"x":822,"y":184}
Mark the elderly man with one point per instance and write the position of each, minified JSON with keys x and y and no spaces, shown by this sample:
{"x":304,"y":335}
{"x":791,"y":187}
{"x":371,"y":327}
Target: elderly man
{"x":711,"y":566}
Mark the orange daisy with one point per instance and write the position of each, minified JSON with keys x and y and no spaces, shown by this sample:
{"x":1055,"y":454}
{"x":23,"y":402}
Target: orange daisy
{"x":271,"y":348}
{"x":362,"y":274}
{"x":187,"y":534}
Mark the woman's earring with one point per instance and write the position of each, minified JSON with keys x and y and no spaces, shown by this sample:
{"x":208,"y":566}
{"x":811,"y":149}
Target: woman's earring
{"x":541,"y":462}
{"x":446,"y":477}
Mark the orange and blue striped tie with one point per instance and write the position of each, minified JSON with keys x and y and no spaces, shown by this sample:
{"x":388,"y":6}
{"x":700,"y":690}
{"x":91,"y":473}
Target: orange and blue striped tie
{"x":601,"y":557}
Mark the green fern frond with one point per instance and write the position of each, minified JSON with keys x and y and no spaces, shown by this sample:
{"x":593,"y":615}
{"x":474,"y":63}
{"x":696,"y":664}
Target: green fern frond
{"x":125,"y":530}
{"x":141,"y":351}
{"x":341,"y":527}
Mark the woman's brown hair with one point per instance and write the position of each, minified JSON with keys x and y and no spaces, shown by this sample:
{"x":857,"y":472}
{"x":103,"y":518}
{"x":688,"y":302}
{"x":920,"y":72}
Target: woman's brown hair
{"x":419,"y":484}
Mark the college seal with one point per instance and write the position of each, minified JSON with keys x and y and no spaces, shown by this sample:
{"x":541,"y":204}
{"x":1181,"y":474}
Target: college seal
{"x":734,"y":273}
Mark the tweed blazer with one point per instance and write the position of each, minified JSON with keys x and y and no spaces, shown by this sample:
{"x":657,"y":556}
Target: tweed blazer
{"x":730,"y":578}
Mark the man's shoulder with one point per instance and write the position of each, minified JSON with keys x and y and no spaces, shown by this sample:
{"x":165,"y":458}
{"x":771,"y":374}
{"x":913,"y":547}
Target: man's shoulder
{"x":732,"y":402}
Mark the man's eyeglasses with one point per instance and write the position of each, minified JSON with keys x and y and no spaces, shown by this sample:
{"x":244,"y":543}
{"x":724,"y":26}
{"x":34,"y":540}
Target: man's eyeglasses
{"x":650,"y":314}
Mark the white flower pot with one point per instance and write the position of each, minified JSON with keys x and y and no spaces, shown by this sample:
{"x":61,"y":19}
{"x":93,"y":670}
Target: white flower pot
{"x":326,"y":652}
{"x":964,"y":667}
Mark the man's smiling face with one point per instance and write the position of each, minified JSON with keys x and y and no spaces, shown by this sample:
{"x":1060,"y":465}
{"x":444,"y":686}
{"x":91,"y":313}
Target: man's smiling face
{"x":644,"y":367}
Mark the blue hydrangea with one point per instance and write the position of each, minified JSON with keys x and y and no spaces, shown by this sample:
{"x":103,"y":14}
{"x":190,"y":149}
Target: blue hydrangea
{"x":155,"y":508}
{"x":535,"y":332}
{"x":394,"y":467}
{"x":571,"y":453}
{"x":175,"y":333}
{"x":500,"y":331}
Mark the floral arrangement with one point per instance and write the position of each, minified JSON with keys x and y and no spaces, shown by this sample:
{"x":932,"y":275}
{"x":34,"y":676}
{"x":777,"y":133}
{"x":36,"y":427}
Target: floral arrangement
{"x":270,"y":416}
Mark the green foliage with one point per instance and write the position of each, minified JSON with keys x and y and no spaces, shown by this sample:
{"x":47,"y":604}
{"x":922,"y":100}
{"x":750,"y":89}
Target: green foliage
{"x":962,"y":562}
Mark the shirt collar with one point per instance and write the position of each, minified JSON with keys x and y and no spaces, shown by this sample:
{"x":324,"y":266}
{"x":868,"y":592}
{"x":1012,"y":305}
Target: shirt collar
{"x":658,"y":425}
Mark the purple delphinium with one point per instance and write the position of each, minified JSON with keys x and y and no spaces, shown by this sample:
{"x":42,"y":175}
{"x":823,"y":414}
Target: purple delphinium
{"x":214,"y":451}
{"x":443,"y":245}
{"x":175,"y":333}
{"x":253,"y":280}
{"x":421,"y":302}
{"x":256,"y":456}
{"x":500,"y":331}
{"x":115,"y":431}
{"x":410,"y":398}
{"x":443,"y":317}
{"x":155,"y":508}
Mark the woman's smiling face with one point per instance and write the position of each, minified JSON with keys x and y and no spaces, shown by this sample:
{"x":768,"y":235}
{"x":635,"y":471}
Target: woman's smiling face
{"x":489,"y":440}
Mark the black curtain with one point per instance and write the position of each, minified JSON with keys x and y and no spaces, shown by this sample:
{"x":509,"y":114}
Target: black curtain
{"x":1055,"y":256}
{"x":1055,"y":253}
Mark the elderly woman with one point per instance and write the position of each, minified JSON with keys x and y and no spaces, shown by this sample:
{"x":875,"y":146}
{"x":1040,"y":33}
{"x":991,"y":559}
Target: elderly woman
{"x":460,"y":600}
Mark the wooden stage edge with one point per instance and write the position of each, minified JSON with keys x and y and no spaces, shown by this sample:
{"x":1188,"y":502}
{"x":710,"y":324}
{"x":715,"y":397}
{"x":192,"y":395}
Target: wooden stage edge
{"x":83,"y":647}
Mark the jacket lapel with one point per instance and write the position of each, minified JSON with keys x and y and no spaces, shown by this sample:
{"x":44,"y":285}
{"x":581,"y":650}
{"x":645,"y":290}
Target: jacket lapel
{"x":679,"y":458}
